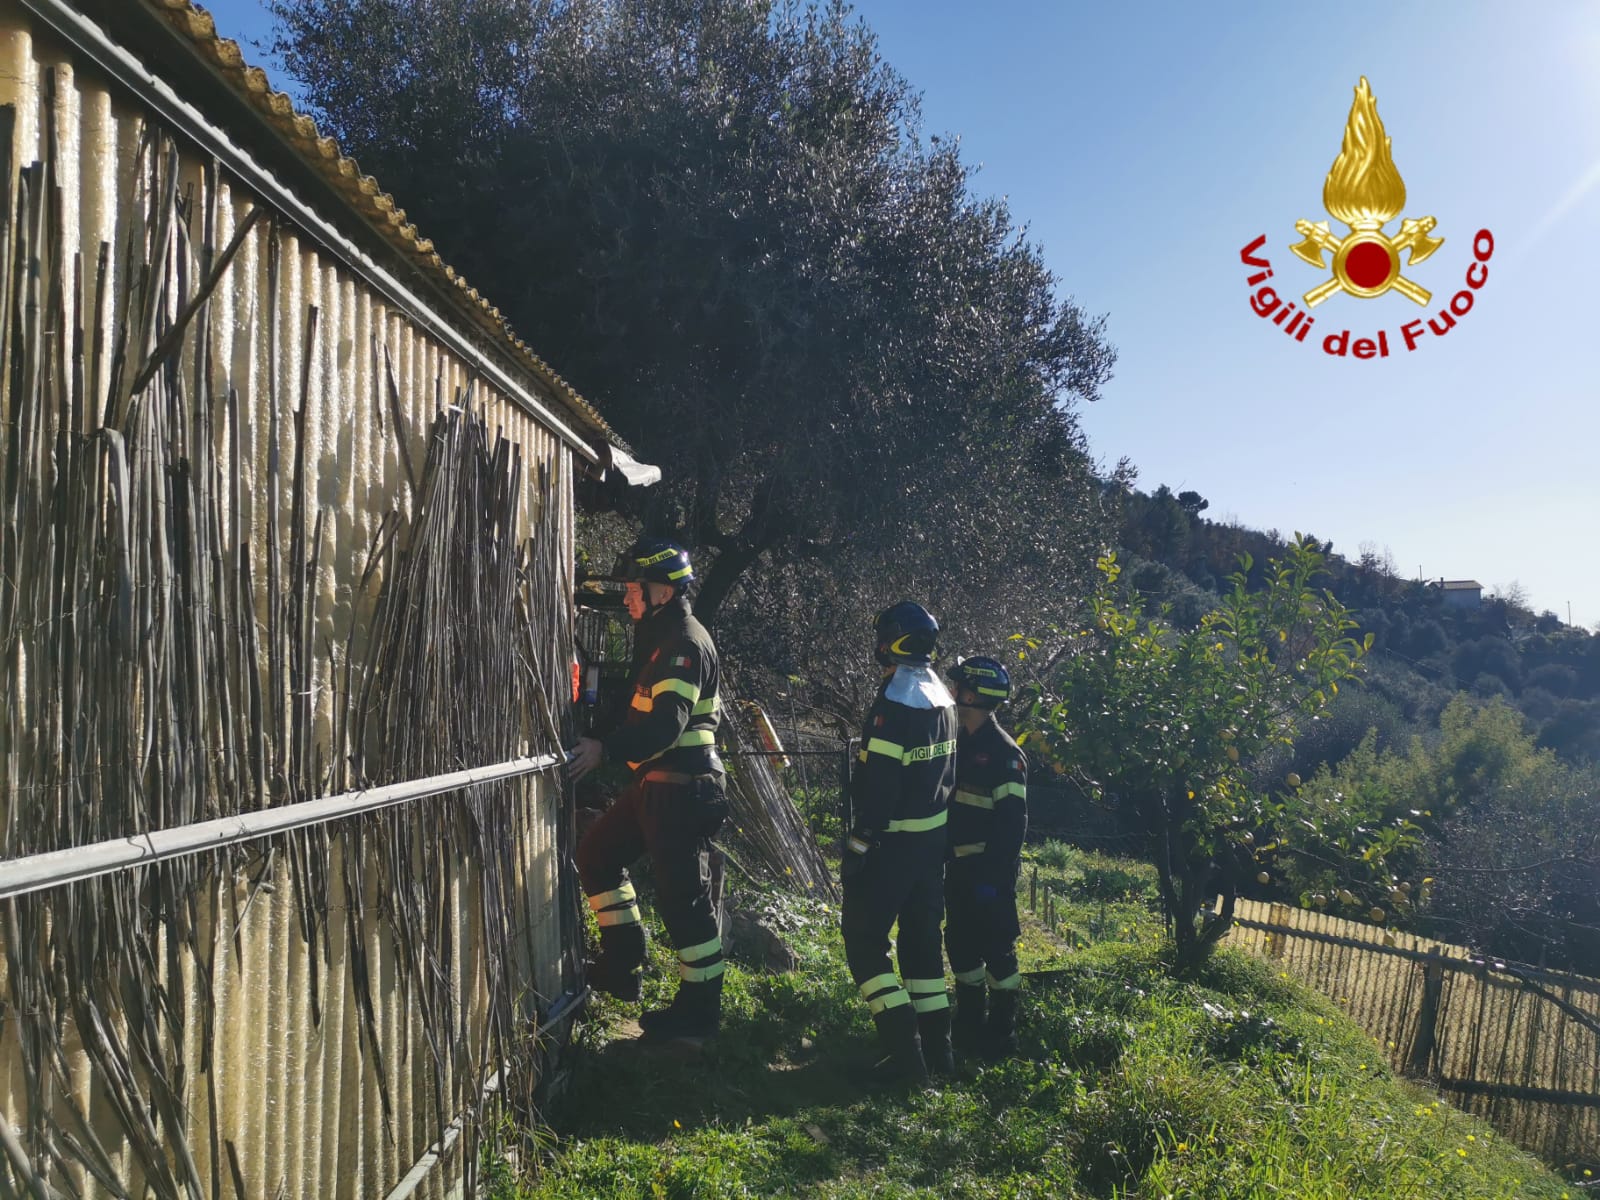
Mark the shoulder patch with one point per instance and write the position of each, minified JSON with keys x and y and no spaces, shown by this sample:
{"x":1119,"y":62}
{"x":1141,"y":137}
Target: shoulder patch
{"x":877,"y":721}
{"x":655,"y":654}
{"x":1016,"y":764}
{"x":681,"y":660}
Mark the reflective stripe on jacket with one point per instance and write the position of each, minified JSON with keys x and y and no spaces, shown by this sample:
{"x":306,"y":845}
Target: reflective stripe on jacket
{"x":989,"y":810}
{"x":905,"y":768}
{"x":672,"y":719}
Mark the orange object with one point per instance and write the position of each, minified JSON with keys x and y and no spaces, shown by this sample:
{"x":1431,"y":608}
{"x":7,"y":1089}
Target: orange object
{"x":769,"y":736}
{"x":577,"y":680}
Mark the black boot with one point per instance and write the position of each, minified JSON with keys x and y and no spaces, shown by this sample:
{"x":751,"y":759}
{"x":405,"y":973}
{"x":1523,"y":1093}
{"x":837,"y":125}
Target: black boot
{"x":616,"y":970}
{"x":901,"y":1063}
{"x":1000,"y":1034}
{"x":966,"y":1030}
{"x":933,"y":1030}
{"x":693,"y":1017}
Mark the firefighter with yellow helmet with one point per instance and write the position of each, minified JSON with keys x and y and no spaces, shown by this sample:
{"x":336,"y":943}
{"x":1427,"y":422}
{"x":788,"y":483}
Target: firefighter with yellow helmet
{"x":988,"y":821}
{"x":673,"y":806}
{"x":893,"y":864}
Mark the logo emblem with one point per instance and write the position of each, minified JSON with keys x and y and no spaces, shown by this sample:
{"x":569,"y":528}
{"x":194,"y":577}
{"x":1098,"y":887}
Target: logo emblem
{"x":1364,"y":191}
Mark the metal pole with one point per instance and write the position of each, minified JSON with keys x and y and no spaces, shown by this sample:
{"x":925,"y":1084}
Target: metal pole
{"x":567,"y":1005}
{"x":35,"y":872}
{"x":844,"y":788}
{"x":794,"y":740}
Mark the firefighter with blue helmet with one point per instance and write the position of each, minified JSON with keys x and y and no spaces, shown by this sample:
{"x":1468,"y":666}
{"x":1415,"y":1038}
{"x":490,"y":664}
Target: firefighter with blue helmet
{"x":672,"y":807}
{"x":893,"y":862}
{"x":988,"y":820}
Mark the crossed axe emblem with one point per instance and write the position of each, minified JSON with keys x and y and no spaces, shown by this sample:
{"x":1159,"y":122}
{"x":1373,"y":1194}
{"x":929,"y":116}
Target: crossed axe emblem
{"x":1366,"y":262}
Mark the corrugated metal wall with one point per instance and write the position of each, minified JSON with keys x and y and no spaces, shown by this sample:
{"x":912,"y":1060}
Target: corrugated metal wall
{"x":287,"y":1100}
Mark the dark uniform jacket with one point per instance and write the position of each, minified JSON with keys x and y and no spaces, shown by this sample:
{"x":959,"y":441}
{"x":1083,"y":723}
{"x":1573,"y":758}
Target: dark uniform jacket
{"x":906,"y":767}
{"x":671,"y":723}
{"x":989,"y":811}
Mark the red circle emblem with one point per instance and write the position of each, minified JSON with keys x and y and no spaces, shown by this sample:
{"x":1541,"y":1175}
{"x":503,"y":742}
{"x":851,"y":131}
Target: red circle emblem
{"x":1369,"y":265}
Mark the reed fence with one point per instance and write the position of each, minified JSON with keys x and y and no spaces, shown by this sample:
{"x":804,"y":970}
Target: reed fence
{"x":768,"y":836}
{"x":1517,"y":1045}
{"x":266,"y":537}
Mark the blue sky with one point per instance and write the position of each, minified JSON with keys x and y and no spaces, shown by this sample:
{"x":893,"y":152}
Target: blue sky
{"x":1145,"y":144}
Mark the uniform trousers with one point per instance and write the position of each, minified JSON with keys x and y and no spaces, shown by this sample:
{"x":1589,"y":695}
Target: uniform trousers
{"x":673,"y":823}
{"x":900,"y":880}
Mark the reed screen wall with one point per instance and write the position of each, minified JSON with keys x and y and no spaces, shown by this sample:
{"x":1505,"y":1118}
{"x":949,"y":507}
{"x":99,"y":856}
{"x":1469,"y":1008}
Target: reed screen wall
{"x":264,"y":537}
{"x":1518,"y":1046}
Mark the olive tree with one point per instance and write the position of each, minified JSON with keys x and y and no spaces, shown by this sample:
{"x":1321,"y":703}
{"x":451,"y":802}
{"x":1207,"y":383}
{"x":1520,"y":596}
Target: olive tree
{"x":724,"y":223}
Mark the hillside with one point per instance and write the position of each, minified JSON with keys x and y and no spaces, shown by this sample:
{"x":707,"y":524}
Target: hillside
{"x":1237,"y":1083}
{"x":1425,"y":648}
{"x":1475,"y":725}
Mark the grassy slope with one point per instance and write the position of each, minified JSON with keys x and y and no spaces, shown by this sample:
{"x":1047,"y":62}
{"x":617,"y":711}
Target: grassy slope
{"x":1237,"y":1084}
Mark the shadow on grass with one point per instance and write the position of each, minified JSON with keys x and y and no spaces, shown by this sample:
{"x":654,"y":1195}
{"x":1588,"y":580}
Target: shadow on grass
{"x":624,"y":1089}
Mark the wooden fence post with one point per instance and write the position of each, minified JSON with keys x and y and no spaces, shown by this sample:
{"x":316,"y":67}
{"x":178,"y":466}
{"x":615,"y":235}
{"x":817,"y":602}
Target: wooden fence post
{"x":1428,"y":1015}
{"x":1033,"y":891}
{"x":1276,"y":915}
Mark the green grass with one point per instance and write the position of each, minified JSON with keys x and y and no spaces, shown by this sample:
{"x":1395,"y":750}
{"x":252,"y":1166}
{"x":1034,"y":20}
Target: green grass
{"x":1235,"y":1084}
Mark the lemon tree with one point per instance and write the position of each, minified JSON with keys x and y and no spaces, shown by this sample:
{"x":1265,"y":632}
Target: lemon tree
{"x":1170,"y":723}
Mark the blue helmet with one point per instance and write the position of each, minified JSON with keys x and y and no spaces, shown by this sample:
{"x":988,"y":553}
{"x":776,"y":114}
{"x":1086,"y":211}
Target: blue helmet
{"x":905,"y":633}
{"x":656,"y":560}
{"x":987,"y":678}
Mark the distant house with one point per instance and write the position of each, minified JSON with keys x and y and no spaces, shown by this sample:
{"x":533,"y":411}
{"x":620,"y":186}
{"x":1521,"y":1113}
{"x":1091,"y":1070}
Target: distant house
{"x":1461,"y":593}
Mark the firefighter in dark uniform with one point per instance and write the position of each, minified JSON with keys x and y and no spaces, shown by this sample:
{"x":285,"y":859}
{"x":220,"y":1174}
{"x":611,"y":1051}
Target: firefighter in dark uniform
{"x":672,"y":807}
{"x":893,"y":862}
{"x":988,"y":820}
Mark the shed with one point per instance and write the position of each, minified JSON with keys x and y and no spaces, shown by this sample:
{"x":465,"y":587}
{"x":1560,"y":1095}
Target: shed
{"x":286,"y":631}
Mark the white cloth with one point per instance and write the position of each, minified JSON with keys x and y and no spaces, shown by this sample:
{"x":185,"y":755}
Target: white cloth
{"x":917,"y":686}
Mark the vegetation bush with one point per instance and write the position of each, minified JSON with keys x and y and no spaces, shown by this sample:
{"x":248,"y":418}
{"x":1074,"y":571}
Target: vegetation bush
{"x":1510,"y":839}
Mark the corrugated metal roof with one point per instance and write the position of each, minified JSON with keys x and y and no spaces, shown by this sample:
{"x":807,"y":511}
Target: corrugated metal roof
{"x":364,"y":197}
{"x":1461,"y":585}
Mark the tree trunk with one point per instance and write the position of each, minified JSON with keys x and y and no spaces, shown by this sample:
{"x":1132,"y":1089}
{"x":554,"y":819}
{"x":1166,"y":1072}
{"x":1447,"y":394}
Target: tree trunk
{"x":1182,"y":883}
{"x":1166,"y":873}
{"x":1190,"y":932}
{"x":719,"y":581}
{"x":762,"y":529}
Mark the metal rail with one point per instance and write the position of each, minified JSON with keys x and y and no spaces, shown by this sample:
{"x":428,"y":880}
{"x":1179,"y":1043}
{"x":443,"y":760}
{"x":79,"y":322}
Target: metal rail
{"x":35,"y":872}
{"x":1515,"y":1091}
{"x":779,"y":753}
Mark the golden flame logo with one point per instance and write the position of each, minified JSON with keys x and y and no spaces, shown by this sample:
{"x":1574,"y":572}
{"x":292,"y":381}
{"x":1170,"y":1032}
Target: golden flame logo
{"x":1364,"y":191}
{"x":1364,"y":188}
